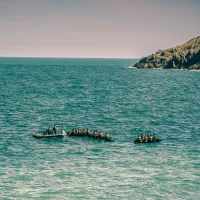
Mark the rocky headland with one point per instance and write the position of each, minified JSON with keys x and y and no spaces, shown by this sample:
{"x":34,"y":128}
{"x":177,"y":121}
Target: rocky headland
{"x":186,"y":56}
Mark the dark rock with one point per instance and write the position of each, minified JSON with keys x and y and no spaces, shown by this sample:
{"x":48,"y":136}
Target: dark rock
{"x":186,"y":56}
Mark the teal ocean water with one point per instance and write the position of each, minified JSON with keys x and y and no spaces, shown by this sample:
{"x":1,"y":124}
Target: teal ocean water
{"x":102,"y":94}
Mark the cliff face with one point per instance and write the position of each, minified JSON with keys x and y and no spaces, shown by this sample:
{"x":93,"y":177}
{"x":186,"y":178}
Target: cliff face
{"x":186,"y":56}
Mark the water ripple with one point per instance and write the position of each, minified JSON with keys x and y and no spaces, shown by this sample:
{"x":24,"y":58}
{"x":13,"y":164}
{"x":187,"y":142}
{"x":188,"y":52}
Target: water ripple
{"x":104,"y":95}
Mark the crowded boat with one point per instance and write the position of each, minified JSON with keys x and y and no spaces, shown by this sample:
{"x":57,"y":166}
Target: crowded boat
{"x":86,"y":132}
{"x":146,"y":139}
{"x":79,"y":132}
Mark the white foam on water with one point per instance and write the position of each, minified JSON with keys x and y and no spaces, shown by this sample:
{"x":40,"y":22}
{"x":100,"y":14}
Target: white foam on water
{"x":195,"y":70}
{"x":130,"y":67}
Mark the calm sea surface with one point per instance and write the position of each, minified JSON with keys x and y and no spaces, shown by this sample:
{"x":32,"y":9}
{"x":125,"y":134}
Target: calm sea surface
{"x":102,"y":94}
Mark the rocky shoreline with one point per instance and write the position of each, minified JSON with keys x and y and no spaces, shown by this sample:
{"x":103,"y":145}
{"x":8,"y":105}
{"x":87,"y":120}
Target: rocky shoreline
{"x":186,"y":56}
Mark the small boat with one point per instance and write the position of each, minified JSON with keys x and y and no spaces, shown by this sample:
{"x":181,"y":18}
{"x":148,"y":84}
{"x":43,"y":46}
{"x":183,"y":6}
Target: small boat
{"x":110,"y":139}
{"x":80,"y":135}
{"x":154,"y":141}
{"x":39,"y":136}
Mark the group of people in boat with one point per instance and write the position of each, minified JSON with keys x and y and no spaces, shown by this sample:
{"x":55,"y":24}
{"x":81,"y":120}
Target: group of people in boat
{"x":99,"y":134}
{"x":146,"y":138}
{"x":86,"y":132}
{"x":79,"y":132}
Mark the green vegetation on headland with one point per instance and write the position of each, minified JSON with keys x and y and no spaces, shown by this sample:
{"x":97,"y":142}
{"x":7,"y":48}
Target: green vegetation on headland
{"x":186,"y":56}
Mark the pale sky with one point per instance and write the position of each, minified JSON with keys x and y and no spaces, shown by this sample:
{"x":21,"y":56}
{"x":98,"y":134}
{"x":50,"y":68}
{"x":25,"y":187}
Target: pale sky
{"x":95,"y":28}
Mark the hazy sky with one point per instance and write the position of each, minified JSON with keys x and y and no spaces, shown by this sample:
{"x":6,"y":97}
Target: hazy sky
{"x":95,"y":28}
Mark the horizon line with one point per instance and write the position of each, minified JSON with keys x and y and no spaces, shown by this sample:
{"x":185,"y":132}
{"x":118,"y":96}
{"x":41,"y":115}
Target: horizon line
{"x":65,"y":57}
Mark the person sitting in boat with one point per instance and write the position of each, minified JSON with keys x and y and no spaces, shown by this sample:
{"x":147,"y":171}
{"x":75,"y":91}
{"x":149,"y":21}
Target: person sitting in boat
{"x":101,"y":134}
{"x":54,"y":129}
{"x":96,"y":134}
{"x":151,"y":138}
{"x":87,"y":131}
{"x":48,"y":131}
{"x":139,"y":138}
{"x":106,"y":135}
{"x":145,"y":138}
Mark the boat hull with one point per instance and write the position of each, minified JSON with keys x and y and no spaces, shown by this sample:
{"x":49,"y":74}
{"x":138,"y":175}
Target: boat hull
{"x":109,"y":139}
{"x":155,"y":141}
{"x":40,"y":136}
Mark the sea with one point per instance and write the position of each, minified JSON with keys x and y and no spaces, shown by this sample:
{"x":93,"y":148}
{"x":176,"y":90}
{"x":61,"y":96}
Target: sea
{"x":99,"y":94}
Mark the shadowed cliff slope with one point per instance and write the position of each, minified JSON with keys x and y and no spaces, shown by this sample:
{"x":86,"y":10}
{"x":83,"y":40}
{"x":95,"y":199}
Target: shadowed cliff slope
{"x":186,"y":56}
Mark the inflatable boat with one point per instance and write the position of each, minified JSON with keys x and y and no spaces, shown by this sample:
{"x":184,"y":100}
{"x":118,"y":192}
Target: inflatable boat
{"x":39,"y":136}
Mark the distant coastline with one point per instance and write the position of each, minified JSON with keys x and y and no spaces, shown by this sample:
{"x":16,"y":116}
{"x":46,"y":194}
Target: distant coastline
{"x":186,"y":57}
